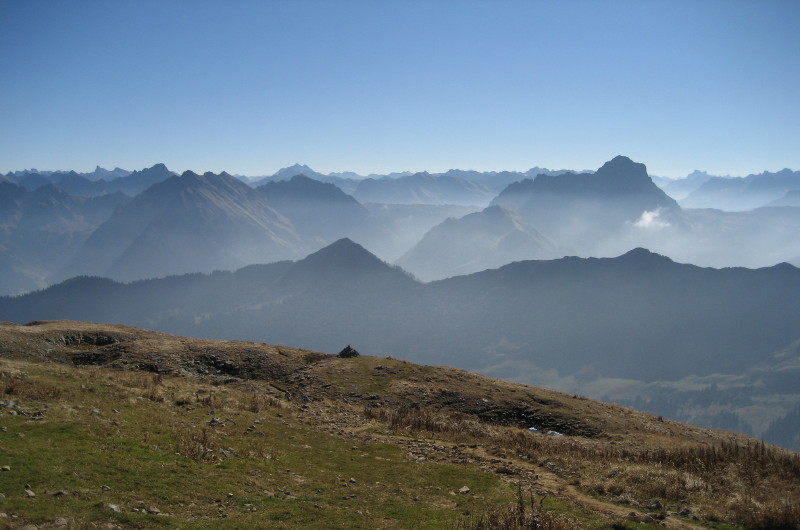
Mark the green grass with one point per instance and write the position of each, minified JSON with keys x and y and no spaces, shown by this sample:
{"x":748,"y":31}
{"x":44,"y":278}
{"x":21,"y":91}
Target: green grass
{"x":283,"y":473}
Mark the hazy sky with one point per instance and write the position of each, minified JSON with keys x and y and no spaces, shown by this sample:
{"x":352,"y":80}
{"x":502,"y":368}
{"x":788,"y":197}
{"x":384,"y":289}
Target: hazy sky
{"x":383,"y":85}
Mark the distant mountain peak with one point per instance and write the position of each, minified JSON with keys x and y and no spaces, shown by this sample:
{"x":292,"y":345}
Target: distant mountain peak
{"x":342,"y":249}
{"x":346,"y":258}
{"x":643,"y":255}
{"x":622,"y":167}
{"x":296,"y":169}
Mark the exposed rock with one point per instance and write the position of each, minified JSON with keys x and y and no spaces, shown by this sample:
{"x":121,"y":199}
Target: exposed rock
{"x":348,"y":352}
{"x":113,"y":508}
{"x":464,"y":490}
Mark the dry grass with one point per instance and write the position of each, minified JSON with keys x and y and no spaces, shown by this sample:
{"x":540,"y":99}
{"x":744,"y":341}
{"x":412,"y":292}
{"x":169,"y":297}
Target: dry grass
{"x":17,"y":386}
{"x":752,"y":485}
{"x":420,"y":421}
{"x":197,"y":444}
{"x":518,"y":517}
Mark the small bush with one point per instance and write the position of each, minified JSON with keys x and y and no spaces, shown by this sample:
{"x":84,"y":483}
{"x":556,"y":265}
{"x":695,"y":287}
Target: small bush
{"x":197,"y":444}
{"x":518,"y":517}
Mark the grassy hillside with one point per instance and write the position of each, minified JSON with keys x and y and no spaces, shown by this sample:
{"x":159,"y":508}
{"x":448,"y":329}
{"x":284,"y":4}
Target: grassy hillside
{"x":112,"y":425}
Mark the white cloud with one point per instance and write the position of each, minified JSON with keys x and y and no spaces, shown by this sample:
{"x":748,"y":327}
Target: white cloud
{"x":650,"y":219}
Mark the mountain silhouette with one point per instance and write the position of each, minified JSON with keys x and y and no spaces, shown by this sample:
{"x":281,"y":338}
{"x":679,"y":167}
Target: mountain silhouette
{"x":580,"y":211}
{"x":129,"y":183}
{"x":478,"y":241}
{"x":743,"y":193}
{"x":639,"y":315}
{"x":185,"y":224}
{"x":316,"y":209}
{"x":100,"y":173}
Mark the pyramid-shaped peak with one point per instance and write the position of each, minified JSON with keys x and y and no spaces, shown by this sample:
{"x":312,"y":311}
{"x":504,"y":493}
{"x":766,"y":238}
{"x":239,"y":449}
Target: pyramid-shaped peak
{"x":344,"y":266}
{"x":342,"y":250}
{"x":349,"y":259}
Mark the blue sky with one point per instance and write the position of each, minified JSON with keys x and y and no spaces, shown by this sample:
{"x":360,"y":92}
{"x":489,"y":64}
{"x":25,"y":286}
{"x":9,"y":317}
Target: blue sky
{"x":378,"y":86}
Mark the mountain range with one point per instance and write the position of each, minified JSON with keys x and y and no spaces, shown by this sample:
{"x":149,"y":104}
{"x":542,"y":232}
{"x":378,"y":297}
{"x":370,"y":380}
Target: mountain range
{"x":99,"y":182}
{"x":639,"y":316}
{"x":743,"y":193}
{"x":557,"y":213}
{"x":707,"y":345}
{"x":169,"y":229}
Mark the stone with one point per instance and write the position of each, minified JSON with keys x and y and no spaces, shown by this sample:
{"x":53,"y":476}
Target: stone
{"x":348,"y":352}
{"x":153,"y":510}
{"x":5,"y":468}
{"x":464,"y":490}
{"x":105,"y":488}
{"x":59,"y":522}
{"x":113,"y":508}
{"x":29,"y":493}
